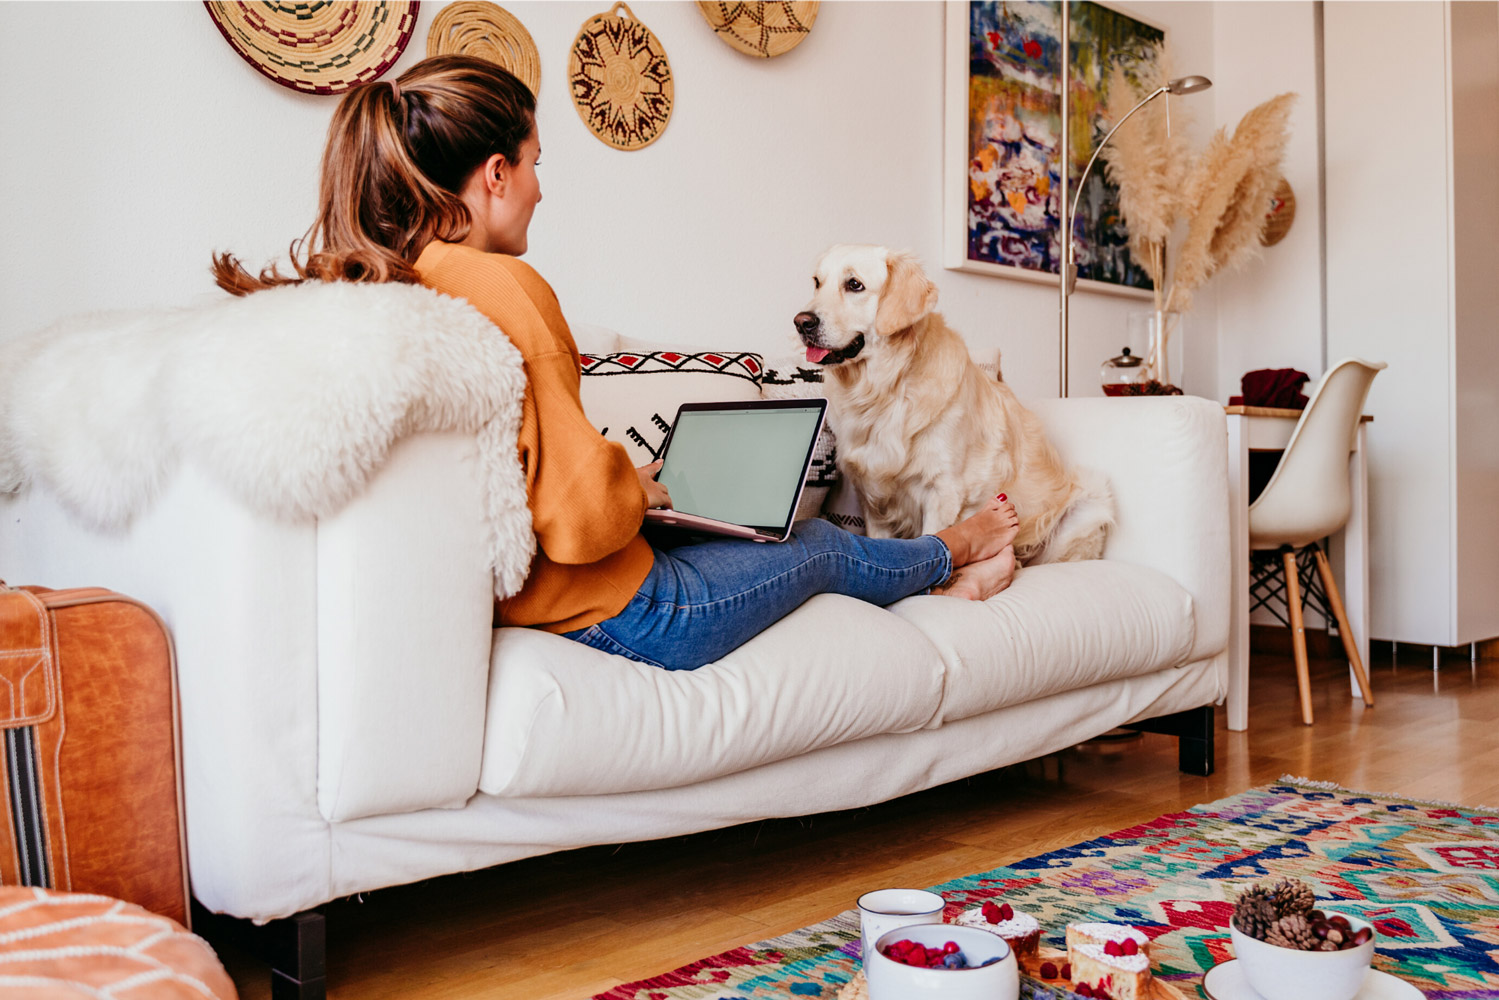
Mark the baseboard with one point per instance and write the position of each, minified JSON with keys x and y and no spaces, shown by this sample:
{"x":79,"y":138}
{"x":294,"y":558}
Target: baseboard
{"x":1413,"y":652}
{"x":1275,"y":640}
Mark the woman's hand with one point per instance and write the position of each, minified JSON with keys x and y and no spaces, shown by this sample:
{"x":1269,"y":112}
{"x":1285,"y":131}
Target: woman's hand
{"x":656,"y":494}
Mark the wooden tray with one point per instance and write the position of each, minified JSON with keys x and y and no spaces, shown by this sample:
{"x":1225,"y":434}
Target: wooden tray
{"x":857,"y":989}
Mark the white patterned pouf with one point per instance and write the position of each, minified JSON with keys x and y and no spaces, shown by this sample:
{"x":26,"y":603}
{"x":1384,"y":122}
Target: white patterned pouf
{"x":64,"y":944}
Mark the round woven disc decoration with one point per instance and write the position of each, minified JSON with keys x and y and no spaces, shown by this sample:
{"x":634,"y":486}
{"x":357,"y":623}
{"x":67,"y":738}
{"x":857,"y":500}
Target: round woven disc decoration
{"x":760,"y":29}
{"x":1279,"y":215}
{"x":317,"y":47}
{"x":620,"y":80}
{"x":490,"y":32}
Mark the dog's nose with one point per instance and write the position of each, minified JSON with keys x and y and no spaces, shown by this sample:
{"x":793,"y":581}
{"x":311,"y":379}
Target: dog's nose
{"x":806,"y":323}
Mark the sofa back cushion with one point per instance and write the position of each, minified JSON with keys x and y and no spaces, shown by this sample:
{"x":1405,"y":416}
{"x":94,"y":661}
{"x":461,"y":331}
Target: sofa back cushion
{"x":590,"y":338}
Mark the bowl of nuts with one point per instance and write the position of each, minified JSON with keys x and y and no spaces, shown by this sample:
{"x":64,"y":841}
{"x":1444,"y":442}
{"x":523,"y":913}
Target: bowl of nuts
{"x":942,"y":962}
{"x":1291,"y":949}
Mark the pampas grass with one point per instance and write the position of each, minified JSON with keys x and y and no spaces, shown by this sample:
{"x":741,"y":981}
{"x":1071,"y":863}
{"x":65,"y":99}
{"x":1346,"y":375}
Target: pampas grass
{"x":1147,"y":164}
{"x":1223,"y":193}
{"x":1226,"y":196}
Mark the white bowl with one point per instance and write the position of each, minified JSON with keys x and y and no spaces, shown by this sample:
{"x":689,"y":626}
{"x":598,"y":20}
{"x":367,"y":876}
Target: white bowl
{"x":890,"y":980}
{"x":1277,"y":973}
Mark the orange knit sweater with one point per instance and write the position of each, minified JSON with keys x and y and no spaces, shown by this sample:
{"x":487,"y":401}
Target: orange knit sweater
{"x":586,"y":501}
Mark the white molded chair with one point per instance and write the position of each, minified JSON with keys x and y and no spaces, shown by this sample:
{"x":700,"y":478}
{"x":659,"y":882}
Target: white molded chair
{"x":1308,"y":498}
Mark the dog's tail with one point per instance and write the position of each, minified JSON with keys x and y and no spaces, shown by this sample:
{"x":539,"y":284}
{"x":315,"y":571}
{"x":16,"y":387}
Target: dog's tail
{"x":1084,"y":526}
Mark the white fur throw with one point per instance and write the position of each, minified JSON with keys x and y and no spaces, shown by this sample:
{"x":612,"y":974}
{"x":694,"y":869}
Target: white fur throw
{"x":289,"y":398}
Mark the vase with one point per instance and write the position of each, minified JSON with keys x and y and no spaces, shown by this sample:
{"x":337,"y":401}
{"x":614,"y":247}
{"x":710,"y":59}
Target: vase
{"x":1153,"y":331}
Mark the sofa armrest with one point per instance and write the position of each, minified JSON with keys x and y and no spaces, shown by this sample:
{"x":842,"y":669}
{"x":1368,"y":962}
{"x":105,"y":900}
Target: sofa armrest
{"x":326,"y":669}
{"x":1167,"y":460}
{"x":405,"y":608}
{"x":238,"y":593}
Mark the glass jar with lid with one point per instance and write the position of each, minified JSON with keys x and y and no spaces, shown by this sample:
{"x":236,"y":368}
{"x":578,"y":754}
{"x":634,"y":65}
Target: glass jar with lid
{"x":1124,"y":375}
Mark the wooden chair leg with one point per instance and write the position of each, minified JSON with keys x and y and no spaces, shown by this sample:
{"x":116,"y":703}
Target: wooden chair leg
{"x":1344,"y":632}
{"x":1298,"y":635}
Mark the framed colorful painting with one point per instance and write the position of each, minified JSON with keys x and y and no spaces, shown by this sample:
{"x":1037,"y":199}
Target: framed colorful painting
{"x":1002,"y":213}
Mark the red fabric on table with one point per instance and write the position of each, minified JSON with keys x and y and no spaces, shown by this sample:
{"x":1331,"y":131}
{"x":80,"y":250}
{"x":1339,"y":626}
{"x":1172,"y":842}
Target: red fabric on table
{"x":1276,"y":387}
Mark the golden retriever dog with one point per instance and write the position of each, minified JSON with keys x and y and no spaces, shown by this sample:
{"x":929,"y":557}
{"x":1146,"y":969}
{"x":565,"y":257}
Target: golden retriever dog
{"x":923,"y":434}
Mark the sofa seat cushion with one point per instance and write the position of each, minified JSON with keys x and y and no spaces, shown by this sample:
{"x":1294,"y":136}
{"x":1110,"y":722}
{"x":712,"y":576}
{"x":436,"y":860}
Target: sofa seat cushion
{"x":1058,"y":627}
{"x":566,"y":719}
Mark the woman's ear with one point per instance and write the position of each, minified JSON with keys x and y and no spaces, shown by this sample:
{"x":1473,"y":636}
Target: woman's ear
{"x":496,"y":175}
{"x":908,"y":296}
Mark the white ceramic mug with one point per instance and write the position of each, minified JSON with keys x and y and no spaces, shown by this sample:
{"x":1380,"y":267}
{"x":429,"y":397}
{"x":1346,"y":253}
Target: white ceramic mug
{"x":886,"y":909}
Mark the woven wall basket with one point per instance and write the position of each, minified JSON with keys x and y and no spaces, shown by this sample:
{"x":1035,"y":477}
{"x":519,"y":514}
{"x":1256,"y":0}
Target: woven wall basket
{"x":1281,"y":214}
{"x":760,"y":29}
{"x":620,"y":79}
{"x":317,"y":48}
{"x":486,"y":31}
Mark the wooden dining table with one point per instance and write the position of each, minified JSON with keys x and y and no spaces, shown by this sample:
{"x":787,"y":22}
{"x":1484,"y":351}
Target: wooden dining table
{"x":1263,"y":428}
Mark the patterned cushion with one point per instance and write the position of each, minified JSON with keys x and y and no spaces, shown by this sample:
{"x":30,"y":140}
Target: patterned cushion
{"x":65,"y":944}
{"x":632,"y":396}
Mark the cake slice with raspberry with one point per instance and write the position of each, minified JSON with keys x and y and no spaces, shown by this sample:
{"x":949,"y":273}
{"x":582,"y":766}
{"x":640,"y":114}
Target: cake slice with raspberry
{"x":1109,"y":961}
{"x":1020,"y":930}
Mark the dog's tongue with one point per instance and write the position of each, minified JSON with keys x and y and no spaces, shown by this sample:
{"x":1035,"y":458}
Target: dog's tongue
{"x":816,"y":354}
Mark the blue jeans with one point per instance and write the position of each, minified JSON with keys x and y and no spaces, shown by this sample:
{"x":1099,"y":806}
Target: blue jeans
{"x":704,"y":599}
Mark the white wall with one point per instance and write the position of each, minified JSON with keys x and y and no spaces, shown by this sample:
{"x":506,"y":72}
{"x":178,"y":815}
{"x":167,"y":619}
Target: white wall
{"x":146,"y":143}
{"x":1270,"y":313}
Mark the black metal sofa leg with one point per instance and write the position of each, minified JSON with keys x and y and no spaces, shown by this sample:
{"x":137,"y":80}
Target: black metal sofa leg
{"x":299,"y":958}
{"x":1193,"y":730}
{"x":295,"y":947}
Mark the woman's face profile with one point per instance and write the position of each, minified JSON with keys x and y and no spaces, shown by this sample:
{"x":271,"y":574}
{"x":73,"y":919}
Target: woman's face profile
{"x":501,"y":197}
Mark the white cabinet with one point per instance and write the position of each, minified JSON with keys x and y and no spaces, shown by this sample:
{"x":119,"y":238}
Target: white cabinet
{"x":1412,"y":200}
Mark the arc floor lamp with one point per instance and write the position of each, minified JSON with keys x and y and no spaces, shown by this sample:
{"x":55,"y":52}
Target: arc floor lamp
{"x":1180,"y":86}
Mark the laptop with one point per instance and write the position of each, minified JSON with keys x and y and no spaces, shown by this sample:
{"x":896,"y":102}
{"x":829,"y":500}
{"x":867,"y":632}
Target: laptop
{"x":738,"y":469}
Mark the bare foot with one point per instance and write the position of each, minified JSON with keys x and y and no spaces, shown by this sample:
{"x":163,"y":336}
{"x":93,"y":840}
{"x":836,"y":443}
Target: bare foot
{"x":983,"y":535}
{"x":979,"y":581}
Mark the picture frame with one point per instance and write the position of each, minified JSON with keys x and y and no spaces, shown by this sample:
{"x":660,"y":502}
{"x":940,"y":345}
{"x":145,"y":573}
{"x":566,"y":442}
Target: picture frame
{"x":1002,"y":125}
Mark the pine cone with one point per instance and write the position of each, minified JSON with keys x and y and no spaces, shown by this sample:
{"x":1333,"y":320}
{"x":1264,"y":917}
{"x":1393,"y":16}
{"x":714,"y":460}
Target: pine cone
{"x":1254,"y":893}
{"x":1254,"y":912}
{"x":1293,"y":896}
{"x":1294,"y":932}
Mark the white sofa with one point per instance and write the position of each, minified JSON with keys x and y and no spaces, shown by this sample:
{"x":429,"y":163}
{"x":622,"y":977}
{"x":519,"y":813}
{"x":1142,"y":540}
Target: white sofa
{"x":351,"y":721}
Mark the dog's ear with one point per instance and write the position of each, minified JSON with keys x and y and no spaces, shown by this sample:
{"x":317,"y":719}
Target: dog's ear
{"x":907,"y":297}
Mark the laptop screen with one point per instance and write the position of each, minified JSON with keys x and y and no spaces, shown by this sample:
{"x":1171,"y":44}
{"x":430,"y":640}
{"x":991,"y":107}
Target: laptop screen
{"x":743,"y":464}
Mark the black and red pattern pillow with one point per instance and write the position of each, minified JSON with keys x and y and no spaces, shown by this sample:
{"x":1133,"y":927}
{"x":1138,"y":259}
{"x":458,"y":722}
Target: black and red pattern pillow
{"x":637,"y":410}
{"x":735,"y":364}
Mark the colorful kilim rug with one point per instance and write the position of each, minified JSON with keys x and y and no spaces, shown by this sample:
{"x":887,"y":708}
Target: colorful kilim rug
{"x":1426,"y":876}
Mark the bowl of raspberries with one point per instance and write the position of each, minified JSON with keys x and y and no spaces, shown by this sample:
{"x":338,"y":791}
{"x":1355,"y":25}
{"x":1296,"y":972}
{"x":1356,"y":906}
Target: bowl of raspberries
{"x":943,"y":962}
{"x":1290,"y":948}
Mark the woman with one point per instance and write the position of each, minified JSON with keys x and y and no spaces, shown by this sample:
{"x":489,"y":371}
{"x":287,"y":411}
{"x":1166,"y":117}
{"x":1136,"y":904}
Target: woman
{"x":432,"y":179}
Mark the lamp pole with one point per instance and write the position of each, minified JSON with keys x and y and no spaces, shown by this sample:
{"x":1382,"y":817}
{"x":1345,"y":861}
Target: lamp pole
{"x":1180,"y":86}
{"x":1062,"y":172}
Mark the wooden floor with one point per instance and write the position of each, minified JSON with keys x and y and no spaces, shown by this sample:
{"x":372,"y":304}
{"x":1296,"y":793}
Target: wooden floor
{"x":571,"y":925}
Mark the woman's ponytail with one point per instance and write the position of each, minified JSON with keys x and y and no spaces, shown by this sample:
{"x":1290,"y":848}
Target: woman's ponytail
{"x":397,"y":155}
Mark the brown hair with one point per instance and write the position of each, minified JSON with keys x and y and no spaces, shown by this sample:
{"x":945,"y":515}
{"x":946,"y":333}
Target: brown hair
{"x":396,"y":158}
